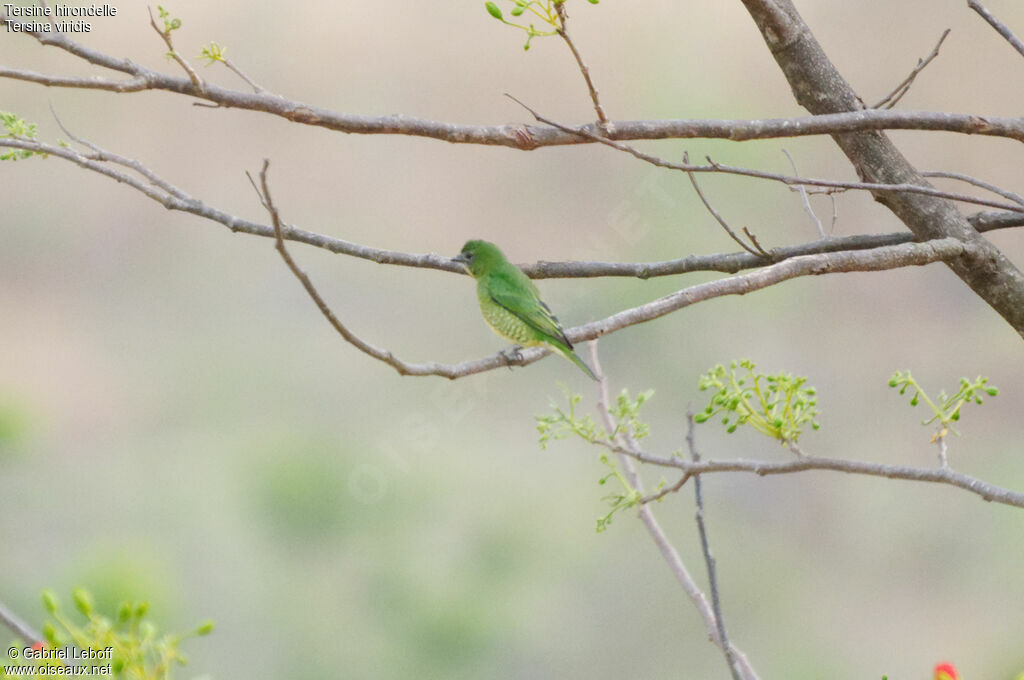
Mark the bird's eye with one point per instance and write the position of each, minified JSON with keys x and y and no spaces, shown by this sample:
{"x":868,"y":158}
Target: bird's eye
{"x":468,"y":256}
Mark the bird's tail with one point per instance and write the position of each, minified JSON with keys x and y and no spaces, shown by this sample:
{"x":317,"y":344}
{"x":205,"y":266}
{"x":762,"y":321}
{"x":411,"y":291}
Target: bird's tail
{"x":571,"y":356}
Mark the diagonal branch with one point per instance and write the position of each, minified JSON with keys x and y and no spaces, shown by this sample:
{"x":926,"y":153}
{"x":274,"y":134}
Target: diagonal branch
{"x":806,"y":201}
{"x":705,"y":547}
{"x":165,"y":35}
{"x":821,"y":89}
{"x":908,"y":254}
{"x":668,"y":551}
{"x":13,"y":622}
{"x":881,"y":258}
{"x":890,"y":100}
{"x":350,"y":337}
{"x":718,"y":218}
{"x":995,"y":23}
{"x":563,"y":31}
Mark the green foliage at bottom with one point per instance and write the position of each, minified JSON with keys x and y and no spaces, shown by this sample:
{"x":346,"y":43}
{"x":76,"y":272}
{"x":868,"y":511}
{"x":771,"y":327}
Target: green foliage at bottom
{"x":125,"y":644}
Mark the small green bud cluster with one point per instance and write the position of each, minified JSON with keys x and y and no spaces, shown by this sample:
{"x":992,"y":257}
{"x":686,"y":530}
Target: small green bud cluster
{"x":778,"y":406}
{"x":129,"y":640}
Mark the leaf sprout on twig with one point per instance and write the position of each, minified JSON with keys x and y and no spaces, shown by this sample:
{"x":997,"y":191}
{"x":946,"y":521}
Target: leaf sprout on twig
{"x":545,"y":11}
{"x":779,"y":405}
{"x":945,"y":408}
{"x":565,"y":422}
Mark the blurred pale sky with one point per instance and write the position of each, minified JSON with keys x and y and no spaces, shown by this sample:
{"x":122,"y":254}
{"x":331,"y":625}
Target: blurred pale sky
{"x":188,"y":428}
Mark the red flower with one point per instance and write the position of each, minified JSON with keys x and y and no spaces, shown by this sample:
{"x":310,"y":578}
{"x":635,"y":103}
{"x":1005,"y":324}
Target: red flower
{"x":946,"y":671}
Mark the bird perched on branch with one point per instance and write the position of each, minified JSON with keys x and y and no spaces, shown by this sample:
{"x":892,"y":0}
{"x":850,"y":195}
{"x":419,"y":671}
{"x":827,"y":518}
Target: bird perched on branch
{"x":511,"y":304}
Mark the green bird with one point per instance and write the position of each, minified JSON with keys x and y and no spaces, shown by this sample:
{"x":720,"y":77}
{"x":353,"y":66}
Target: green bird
{"x":511,"y":304}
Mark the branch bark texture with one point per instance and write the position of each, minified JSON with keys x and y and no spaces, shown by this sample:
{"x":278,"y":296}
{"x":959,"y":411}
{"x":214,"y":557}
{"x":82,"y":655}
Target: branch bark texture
{"x":821,"y":89}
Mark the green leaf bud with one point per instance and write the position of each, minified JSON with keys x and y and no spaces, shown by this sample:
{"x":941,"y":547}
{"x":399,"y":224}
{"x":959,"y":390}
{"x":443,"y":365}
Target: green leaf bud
{"x":50,"y":602}
{"x":83,"y":601}
{"x":493,"y":10}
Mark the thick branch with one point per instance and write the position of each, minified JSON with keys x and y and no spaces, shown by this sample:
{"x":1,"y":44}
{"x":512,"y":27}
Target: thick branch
{"x":821,"y":89}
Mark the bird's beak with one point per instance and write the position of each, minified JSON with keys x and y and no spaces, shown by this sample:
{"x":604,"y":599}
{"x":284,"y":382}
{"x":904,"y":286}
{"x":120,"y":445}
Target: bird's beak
{"x":461,"y":259}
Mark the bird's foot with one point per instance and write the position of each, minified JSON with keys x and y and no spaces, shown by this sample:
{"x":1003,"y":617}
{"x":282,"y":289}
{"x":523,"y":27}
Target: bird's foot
{"x":512,"y":356}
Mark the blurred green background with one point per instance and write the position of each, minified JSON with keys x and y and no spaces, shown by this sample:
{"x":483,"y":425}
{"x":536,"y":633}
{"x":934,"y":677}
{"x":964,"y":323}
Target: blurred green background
{"x":177,"y":421}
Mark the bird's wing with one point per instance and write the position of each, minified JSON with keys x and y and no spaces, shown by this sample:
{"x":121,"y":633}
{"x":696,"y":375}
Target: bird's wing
{"x":518,"y":295}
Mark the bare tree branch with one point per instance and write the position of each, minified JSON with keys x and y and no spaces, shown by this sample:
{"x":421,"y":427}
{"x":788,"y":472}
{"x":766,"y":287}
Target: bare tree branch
{"x":721,"y":220}
{"x":995,"y":23}
{"x":668,"y":551}
{"x":821,"y":89}
{"x":874,"y":259}
{"x":174,"y":198}
{"x":709,"y":560}
{"x":563,"y":31}
{"x":921,"y":187}
{"x":806,"y":463}
{"x":889,"y":257}
{"x":24,"y":631}
{"x":165,"y":35}
{"x":523,"y":137}
{"x":890,"y":100}
{"x":803,"y":195}
{"x":256,"y":87}
{"x":350,"y":337}
{"x":976,"y":182}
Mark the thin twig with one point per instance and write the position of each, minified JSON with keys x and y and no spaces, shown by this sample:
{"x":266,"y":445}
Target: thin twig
{"x":716,"y":215}
{"x":1003,"y":29}
{"x":350,"y":337}
{"x":658,"y":495}
{"x":256,"y":87}
{"x":24,"y":631}
{"x":890,"y":100}
{"x":563,"y":30}
{"x":1016,"y":198}
{"x":943,"y":457}
{"x":705,"y":547}
{"x":803,"y":194}
{"x":165,"y":35}
{"x":668,"y":551}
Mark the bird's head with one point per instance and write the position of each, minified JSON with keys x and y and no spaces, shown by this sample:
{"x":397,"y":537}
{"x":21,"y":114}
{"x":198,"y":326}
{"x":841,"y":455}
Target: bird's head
{"x":479,"y":257}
